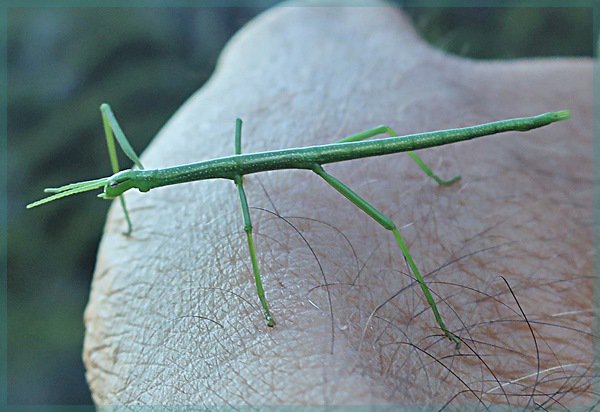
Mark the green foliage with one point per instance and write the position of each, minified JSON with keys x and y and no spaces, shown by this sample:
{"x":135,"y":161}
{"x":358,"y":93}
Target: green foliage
{"x":506,"y":33}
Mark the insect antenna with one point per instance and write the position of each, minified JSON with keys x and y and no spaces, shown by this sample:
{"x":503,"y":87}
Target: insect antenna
{"x":70,"y":189}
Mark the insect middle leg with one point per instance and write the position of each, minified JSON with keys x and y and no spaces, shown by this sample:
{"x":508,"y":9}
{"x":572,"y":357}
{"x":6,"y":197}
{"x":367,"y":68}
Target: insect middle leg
{"x":239,"y":182}
{"x":383,"y":129}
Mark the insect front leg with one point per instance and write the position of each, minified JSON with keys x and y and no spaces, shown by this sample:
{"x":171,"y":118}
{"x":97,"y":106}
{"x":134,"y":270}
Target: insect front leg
{"x":112,"y":130}
{"x":383,"y":129}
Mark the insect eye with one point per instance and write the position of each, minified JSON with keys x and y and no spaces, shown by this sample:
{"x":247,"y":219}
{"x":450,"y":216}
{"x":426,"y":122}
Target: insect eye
{"x":116,"y":183}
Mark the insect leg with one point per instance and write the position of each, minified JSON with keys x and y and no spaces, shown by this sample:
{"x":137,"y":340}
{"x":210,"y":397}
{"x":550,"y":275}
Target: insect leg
{"x":111,"y":125}
{"x":388,"y":224}
{"x":383,"y":129}
{"x":238,"y":136}
{"x":239,"y":182}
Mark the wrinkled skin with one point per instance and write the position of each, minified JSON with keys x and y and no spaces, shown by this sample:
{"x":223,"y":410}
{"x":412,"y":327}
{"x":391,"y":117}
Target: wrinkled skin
{"x":173,"y":316}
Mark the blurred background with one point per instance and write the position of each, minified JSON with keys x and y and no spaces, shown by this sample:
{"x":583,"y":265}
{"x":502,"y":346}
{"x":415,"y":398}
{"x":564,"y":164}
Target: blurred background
{"x":145,"y":62}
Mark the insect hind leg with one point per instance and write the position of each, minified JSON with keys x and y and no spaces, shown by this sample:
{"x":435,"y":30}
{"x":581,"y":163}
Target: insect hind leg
{"x":383,"y":129}
{"x":388,"y":224}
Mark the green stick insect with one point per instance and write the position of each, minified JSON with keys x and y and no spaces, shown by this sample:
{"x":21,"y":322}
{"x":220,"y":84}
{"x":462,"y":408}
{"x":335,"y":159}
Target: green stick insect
{"x":310,"y":158}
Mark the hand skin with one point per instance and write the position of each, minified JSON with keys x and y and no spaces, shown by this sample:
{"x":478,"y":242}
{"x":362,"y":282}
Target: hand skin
{"x":173,"y":316}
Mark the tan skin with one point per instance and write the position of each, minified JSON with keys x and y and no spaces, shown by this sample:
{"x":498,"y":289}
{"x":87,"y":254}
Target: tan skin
{"x":173,"y":317}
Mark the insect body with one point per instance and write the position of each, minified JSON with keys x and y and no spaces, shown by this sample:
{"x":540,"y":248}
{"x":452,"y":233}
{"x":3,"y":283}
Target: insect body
{"x":311,"y":158}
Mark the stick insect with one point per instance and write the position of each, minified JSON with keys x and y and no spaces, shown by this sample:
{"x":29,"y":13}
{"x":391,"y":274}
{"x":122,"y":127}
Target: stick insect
{"x":310,"y":158}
